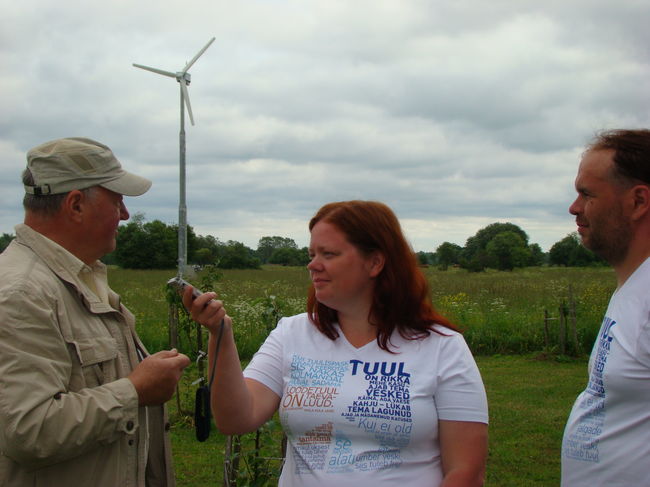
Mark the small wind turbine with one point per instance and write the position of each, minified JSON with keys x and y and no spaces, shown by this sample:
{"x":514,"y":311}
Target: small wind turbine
{"x":183,"y":78}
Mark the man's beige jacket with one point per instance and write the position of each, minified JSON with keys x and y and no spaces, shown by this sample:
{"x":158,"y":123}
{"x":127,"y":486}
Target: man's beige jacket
{"x":68,"y":414}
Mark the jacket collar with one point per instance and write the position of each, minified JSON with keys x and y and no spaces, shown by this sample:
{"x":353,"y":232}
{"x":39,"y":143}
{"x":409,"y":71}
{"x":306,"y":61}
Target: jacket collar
{"x":64,"y":264}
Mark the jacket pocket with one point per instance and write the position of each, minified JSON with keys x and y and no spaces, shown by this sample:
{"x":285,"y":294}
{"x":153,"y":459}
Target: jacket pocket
{"x":92,"y":354}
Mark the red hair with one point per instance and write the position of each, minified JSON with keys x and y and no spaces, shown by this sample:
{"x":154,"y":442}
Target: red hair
{"x":401,"y":297}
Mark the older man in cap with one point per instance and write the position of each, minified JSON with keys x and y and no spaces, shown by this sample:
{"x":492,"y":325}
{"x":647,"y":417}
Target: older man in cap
{"x":81,"y":400}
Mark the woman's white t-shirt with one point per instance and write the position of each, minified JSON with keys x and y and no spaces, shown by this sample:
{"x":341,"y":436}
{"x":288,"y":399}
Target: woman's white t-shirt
{"x":364,"y":416}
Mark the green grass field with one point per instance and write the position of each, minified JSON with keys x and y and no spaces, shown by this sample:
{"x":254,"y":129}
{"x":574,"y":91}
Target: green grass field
{"x":530,"y":386}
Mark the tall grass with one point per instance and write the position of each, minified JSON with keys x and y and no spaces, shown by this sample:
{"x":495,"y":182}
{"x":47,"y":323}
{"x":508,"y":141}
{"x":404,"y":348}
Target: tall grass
{"x":503,"y":312}
{"x":499,"y":312}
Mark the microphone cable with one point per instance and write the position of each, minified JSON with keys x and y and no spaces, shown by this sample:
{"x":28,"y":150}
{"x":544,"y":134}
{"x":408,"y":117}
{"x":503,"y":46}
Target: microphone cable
{"x":202,"y":415}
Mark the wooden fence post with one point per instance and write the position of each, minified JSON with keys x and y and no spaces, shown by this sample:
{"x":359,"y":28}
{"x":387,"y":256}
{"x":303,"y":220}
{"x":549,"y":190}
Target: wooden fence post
{"x":562,"y":332}
{"x":231,"y":457}
{"x":173,"y":325}
{"x":546,"y":333}
{"x":172,"y":330}
{"x":573,"y":318}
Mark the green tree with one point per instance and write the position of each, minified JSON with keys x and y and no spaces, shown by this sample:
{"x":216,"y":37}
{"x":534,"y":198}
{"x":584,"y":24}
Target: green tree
{"x":207,"y":250}
{"x":162,"y":245}
{"x":571,"y":253}
{"x":426,"y":258}
{"x":130,"y":252}
{"x":583,"y":257}
{"x":448,"y":254}
{"x":475,"y":256}
{"x":560,"y":253}
{"x":508,"y":250}
{"x":537,"y":255}
{"x":5,"y":240}
{"x":268,"y":245}
{"x":149,"y":245}
{"x":235,"y":255}
{"x":290,"y":257}
{"x":203,"y":256}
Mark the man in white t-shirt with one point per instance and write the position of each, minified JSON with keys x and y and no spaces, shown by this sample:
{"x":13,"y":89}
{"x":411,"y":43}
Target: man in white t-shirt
{"x":607,"y":436}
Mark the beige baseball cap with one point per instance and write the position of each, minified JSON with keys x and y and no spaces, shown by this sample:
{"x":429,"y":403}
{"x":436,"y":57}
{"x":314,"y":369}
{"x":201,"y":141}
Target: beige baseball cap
{"x":62,"y":165}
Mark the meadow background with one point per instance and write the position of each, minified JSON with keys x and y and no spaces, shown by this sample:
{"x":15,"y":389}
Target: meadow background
{"x":530,"y":384}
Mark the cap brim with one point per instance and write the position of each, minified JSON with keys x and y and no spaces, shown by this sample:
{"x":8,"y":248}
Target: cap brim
{"x":128,"y":185}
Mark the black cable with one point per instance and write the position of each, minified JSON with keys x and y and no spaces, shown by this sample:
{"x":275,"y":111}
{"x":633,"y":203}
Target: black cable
{"x":216,"y":354}
{"x":202,"y":416}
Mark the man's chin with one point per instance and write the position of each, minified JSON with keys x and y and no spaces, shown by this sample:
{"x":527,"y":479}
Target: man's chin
{"x":583,"y":235}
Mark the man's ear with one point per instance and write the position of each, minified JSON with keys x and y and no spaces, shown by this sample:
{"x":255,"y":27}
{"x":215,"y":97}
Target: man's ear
{"x":641,"y":201}
{"x":377,"y":261}
{"x":73,"y":205}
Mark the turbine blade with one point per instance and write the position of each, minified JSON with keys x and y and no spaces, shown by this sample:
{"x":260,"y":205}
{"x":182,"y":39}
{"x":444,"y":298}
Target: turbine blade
{"x":189,"y":65}
{"x":156,"y":70}
{"x":186,"y":97}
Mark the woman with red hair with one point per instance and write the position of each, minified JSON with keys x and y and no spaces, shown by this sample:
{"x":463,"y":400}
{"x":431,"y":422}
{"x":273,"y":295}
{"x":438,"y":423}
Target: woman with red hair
{"x":372,"y":385}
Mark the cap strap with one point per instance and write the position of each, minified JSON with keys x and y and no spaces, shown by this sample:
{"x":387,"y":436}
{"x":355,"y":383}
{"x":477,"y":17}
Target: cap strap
{"x":38,"y":190}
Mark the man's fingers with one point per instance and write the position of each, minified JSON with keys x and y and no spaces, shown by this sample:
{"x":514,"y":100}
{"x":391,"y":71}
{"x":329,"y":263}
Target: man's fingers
{"x":181,"y":360}
{"x":165,"y":353}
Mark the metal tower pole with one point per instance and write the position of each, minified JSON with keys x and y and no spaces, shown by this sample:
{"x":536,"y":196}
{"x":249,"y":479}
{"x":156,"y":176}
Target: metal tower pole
{"x":182,"y":207}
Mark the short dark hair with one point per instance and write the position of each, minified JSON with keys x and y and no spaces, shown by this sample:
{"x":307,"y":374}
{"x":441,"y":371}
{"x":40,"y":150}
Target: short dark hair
{"x":631,"y":152}
{"x":44,"y":204}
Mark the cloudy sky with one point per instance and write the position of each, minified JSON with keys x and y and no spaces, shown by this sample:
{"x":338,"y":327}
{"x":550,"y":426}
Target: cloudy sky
{"x":456,"y":113}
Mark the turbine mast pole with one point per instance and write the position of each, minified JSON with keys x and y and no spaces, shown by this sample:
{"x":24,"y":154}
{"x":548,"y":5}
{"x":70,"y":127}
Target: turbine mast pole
{"x":182,"y":207}
{"x":183,"y":78}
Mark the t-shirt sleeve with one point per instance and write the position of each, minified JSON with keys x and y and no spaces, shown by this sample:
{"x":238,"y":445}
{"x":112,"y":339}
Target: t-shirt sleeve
{"x":266,"y":365}
{"x":460,"y":394}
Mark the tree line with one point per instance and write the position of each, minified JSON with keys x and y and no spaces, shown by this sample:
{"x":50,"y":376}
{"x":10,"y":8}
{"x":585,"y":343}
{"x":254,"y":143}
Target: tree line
{"x":154,"y":245}
{"x":502,"y":246}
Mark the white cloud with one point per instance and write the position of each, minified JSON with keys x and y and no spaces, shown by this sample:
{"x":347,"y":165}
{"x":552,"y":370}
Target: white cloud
{"x":456,"y":113}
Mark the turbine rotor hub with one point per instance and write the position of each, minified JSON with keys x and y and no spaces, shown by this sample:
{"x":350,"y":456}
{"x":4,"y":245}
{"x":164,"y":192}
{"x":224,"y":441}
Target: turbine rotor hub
{"x":187,"y":77}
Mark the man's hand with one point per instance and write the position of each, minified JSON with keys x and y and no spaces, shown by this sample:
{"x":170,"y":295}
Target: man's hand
{"x":155,"y":378}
